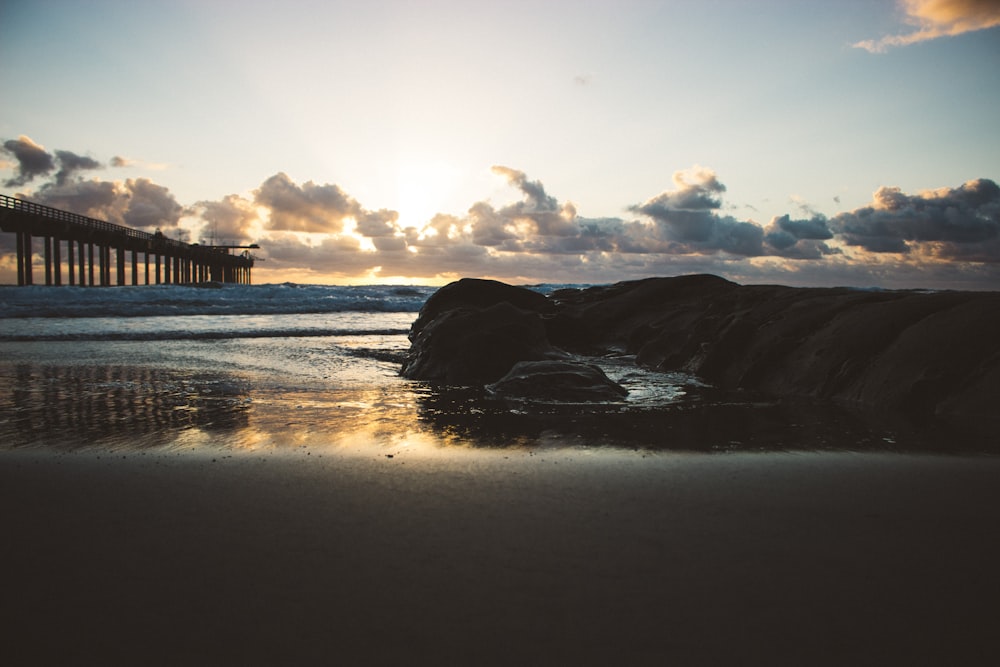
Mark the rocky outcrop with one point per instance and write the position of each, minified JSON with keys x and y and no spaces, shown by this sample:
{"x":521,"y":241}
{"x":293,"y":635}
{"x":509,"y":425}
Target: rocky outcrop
{"x":477,"y":294}
{"x":473,"y":331}
{"x":924,"y":353}
{"x":563,"y":381}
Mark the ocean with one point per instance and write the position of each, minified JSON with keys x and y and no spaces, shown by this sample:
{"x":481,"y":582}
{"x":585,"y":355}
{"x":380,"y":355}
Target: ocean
{"x":237,"y":367}
{"x":285,"y":366}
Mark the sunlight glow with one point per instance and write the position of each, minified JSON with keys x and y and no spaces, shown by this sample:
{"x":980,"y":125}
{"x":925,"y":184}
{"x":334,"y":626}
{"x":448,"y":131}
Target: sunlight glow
{"x":423,"y":187}
{"x":350,"y":231}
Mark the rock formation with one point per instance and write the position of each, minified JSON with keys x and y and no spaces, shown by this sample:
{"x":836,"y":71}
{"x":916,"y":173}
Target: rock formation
{"x":926,"y":353}
{"x":472,"y":332}
{"x":566,"y":381}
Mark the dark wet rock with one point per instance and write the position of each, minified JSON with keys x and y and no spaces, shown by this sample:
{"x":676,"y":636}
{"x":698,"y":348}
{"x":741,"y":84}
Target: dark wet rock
{"x":475,"y":346}
{"x":624,"y":314}
{"x":477,"y":294}
{"x":927,"y":354}
{"x":924,"y":353}
{"x":557,"y":380}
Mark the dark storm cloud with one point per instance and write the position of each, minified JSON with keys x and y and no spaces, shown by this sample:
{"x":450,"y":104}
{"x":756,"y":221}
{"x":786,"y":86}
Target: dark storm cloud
{"x":32,"y":160}
{"x":949,"y":223}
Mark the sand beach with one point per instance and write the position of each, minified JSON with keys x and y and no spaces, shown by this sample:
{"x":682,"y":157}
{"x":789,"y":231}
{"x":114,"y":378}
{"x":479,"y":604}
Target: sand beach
{"x":499,"y":557}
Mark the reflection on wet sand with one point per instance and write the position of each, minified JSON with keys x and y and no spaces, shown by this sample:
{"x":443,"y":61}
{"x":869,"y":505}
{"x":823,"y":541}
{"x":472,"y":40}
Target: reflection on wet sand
{"x":706,"y":420}
{"x":139,"y":407}
{"x":116,"y":406}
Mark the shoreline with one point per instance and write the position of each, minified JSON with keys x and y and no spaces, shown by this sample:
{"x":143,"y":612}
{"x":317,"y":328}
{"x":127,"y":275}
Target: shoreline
{"x":141,"y":405}
{"x":499,"y":556}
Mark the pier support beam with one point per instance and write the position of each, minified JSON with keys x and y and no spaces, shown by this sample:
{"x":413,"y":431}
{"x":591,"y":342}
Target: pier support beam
{"x":47,"y":256}
{"x":23,"y":258}
{"x":80,"y":250}
{"x":120,"y":262}
{"x":57,"y":260}
{"x":70,"y":269}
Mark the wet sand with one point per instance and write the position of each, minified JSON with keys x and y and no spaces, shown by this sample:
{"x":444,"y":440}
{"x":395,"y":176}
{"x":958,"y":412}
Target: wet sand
{"x":498,"y":557}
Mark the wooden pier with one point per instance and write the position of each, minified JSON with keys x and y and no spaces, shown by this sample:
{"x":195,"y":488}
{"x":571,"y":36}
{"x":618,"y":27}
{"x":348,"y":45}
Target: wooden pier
{"x":116,"y":248}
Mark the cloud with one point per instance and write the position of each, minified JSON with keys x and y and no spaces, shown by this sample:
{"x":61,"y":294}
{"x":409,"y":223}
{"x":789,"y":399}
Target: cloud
{"x":32,"y":160}
{"x":70,"y":163}
{"x":961,"y":223}
{"x":119,"y":162}
{"x":938,"y":18}
{"x":150,"y":205}
{"x":686,"y":217}
{"x":697,"y":188}
{"x":542,"y":211}
{"x":308,"y":208}
{"x":949,"y":237}
{"x":799,"y":239}
{"x":103,"y":200}
{"x":132,"y":203}
{"x":377,"y":224}
{"x":232,"y":219}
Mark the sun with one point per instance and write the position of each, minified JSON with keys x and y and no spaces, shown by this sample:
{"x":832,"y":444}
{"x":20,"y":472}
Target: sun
{"x":423,"y":188}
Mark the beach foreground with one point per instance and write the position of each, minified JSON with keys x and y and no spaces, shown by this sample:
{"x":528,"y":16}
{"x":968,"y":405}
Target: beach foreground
{"x":559,"y":556}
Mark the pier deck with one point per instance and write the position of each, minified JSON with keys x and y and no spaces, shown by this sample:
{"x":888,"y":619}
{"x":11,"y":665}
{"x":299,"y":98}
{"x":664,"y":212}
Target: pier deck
{"x":163,"y":260}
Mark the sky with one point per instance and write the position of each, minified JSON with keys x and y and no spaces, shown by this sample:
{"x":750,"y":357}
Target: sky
{"x":801,"y":142}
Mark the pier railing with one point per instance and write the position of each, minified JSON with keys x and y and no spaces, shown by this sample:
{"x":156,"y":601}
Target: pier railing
{"x":48,"y":212}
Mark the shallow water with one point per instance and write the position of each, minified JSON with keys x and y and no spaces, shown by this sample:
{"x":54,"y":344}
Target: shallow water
{"x":225,"y":371}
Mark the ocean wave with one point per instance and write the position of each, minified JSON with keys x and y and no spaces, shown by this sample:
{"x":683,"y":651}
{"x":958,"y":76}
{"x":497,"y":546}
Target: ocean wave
{"x":155,"y":300}
{"x":111,"y":336}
